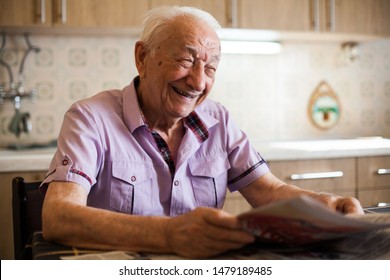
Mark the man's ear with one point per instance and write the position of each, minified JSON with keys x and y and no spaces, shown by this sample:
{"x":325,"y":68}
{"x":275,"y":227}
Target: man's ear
{"x":140,"y":56}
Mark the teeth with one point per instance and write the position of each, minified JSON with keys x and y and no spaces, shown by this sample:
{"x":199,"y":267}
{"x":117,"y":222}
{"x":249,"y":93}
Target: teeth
{"x":184,"y":93}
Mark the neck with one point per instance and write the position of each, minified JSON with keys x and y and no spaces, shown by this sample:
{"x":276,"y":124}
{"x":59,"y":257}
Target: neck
{"x":153,"y":119}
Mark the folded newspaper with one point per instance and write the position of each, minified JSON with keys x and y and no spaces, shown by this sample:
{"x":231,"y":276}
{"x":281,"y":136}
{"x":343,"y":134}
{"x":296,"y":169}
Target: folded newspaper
{"x":304,"y":220}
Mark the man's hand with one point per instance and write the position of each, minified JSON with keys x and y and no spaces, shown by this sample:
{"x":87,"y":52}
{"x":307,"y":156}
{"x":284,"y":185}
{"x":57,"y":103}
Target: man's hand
{"x":345,"y":205}
{"x":205,"y":232}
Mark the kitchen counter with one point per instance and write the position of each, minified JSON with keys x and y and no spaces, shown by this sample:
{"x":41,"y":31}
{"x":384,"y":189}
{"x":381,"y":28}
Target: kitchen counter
{"x":26,"y":160}
{"x":39,"y":159}
{"x":324,"y":149}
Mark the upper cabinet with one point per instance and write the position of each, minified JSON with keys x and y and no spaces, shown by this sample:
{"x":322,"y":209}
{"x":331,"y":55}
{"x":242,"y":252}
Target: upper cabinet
{"x":98,"y":13}
{"x":324,"y":16}
{"x":287,"y":15}
{"x":359,"y":16}
{"x":95,"y":13}
{"x":343,"y":16}
{"x":220,"y":9}
{"x":24,"y":13}
{"x":72,"y":13}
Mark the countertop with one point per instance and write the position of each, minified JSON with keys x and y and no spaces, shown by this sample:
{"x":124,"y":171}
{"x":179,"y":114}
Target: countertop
{"x":26,"y":160}
{"x":322,"y":149}
{"x":39,"y":159}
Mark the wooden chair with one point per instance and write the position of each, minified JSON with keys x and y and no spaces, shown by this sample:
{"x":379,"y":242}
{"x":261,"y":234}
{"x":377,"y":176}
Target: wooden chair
{"x":27,"y":201}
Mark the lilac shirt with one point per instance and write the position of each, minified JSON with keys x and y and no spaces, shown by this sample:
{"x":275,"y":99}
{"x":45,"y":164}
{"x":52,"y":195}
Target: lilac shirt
{"x":105,"y":146}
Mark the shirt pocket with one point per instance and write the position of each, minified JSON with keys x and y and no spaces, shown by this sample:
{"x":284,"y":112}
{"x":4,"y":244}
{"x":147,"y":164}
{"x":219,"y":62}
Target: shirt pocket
{"x":131,"y":188}
{"x":209,"y":180}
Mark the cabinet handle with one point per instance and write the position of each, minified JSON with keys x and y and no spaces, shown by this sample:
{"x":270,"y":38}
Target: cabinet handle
{"x":332,"y":16}
{"x":43,"y":11}
{"x":63,"y":11}
{"x":383,"y":171}
{"x":62,"y":14}
{"x":315,"y":11}
{"x":317,"y":175}
{"x":233,"y":13}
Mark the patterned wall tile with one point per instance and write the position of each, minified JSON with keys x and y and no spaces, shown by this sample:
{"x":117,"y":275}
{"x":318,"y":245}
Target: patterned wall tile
{"x":45,"y":91}
{"x":78,"y":90}
{"x":386,"y":61}
{"x":267,"y":95}
{"x":77,"y":57}
{"x":44,"y":124}
{"x":110,"y":57}
{"x":45,"y":58}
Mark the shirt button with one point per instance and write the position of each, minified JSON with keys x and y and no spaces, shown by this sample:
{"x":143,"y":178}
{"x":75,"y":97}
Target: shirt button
{"x":176,"y":183}
{"x":65,"y":162}
{"x":133,"y":178}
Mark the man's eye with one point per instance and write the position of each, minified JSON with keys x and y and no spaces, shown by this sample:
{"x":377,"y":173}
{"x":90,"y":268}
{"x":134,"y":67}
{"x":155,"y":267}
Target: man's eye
{"x":210,"y":70}
{"x":185,"y":62}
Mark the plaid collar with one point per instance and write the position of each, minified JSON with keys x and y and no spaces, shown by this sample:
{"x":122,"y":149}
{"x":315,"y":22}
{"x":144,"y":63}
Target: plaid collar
{"x":197,"y":126}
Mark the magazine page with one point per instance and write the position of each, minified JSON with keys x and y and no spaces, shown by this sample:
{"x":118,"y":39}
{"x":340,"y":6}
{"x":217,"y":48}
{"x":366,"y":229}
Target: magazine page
{"x":304,"y":220}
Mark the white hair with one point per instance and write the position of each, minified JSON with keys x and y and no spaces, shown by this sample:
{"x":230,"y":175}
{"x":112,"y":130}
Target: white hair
{"x":157,"y":18}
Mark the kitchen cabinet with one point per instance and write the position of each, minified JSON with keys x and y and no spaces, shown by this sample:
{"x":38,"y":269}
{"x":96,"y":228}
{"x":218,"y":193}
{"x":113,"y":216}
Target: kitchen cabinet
{"x":220,"y":9}
{"x":336,"y":16}
{"x":361,"y":177}
{"x":94,"y":13}
{"x":324,"y":175}
{"x":288,"y":15}
{"x":333,"y":176}
{"x":99,"y":13}
{"x":373,"y":180}
{"x":359,"y":16}
{"x":340,"y":16}
{"x":72,"y":13}
{"x":366,"y":178}
{"x":6,"y":236}
{"x":235,"y":203}
{"x":25,"y":13}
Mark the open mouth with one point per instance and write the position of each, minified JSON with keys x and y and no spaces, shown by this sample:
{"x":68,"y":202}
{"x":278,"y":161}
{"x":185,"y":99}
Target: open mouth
{"x":184,"y":94}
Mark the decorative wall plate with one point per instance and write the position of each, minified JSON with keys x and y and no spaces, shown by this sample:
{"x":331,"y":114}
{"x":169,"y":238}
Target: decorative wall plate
{"x":324,"y":107}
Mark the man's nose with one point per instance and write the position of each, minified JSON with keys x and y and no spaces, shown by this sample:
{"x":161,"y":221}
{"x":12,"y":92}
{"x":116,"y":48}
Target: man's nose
{"x":197,"y":78}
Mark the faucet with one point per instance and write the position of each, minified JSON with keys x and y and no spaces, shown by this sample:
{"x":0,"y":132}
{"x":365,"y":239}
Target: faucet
{"x":16,"y":91}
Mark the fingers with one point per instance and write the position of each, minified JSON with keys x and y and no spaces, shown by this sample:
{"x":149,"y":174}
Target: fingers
{"x":345,"y":205}
{"x":205,"y":232}
{"x":349,"y":205}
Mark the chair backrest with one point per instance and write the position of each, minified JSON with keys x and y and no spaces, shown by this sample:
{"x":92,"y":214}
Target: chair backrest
{"x":27,"y":201}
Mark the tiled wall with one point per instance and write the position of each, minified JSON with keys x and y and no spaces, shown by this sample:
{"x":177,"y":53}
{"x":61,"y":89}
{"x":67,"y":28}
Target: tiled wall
{"x":268,"y":95}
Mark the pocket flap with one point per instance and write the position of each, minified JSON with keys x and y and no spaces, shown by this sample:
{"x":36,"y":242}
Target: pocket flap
{"x":131,"y":172}
{"x":209,"y":167}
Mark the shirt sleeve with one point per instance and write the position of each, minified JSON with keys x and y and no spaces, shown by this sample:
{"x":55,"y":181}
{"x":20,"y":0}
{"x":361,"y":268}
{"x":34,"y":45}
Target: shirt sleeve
{"x":247,"y":164}
{"x":79,"y":151}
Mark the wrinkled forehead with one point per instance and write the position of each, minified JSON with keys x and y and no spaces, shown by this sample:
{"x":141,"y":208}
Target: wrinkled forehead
{"x":193,"y":34}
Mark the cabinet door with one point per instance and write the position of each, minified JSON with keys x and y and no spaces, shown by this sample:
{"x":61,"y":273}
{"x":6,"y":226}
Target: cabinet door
{"x":370,"y":175}
{"x":218,"y":8}
{"x":289,"y":15}
{"x":235,"y":203}
{"x":359,"y":16}
{"x":302,"y":173}
{"x":25,"y":13}
{"x":373,"y":198}
{"x":99,"y":13}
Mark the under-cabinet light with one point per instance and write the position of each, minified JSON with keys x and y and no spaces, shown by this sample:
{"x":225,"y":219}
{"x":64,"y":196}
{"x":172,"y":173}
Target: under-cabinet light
{"x":250,"y":47}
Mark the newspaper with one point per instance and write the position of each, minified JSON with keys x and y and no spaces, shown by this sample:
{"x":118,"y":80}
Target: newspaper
{"x":300,"y":228}
{"x":304,"y":220}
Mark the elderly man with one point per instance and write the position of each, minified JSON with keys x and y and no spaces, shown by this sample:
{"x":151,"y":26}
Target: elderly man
{"x":147,"y":168}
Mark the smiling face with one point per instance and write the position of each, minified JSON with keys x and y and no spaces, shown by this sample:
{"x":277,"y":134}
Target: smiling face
{"x":179,"y":74}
